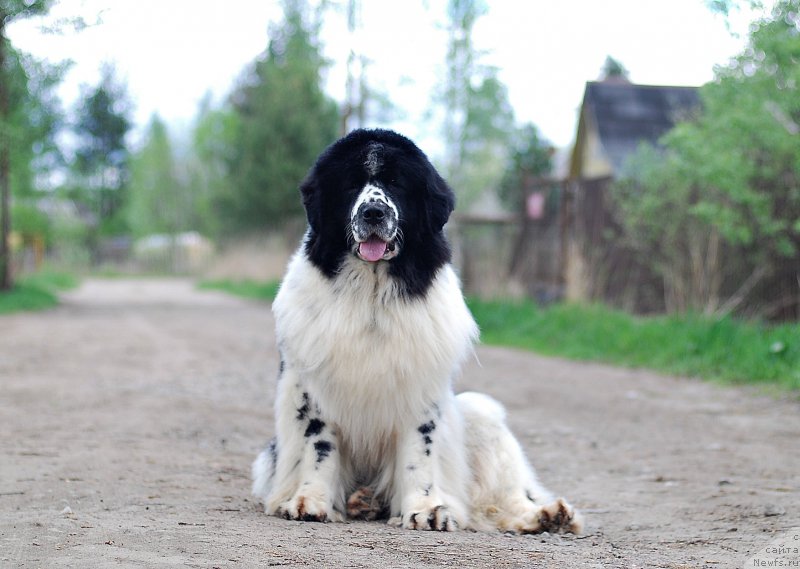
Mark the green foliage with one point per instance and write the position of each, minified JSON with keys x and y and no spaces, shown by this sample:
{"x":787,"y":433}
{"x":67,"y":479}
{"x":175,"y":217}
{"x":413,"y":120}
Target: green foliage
{"x":723,"y":196}
{"x":212,"y":152}
{"x":246,"y":289}
{"x":101,"y":157}
{"x":36,"y":292}
{"x":11,"y":10}
{"x":656,"y":204}
{"x":285,"y":120}
{"x":612,"y":68}
{"x":33,"y":119}
{"x":156,"y":202}
{"x":745,"y":144}
{"x":29,"y":222}
{"x":531,"y":158}
{"x":744,"y":147}
{"x":720,"y":349}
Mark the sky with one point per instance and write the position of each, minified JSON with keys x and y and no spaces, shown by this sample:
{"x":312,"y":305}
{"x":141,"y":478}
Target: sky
{"x":170,"y":53}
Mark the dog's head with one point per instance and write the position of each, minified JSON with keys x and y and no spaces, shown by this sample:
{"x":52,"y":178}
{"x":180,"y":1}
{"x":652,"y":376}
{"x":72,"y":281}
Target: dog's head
{"x":374,"y":195}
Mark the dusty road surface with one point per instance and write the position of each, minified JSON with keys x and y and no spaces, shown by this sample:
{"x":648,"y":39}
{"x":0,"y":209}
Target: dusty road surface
{"x":129,"y":417}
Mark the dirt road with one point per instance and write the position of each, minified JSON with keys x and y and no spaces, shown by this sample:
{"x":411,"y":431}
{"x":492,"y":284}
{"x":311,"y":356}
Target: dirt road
{"x":129,"y":417}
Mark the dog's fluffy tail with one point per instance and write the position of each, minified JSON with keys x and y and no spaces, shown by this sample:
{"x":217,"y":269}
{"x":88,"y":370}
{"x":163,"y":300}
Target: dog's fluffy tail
{"x":263,"y":470}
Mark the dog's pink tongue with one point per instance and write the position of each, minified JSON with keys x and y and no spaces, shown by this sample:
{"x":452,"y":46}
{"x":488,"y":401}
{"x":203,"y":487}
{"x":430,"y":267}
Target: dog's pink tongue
{"x":373,"y":249}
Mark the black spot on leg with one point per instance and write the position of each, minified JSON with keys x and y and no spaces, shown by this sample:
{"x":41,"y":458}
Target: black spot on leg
{"x":427,"y":428}
{"x":281,"y":367}
{"x":426,"y":491}
{"x":302,"y":411}
{"x":323,"y":449}
{"x":314,"y":428}
{"x":272,"y":449}
{"x":529,"y":496}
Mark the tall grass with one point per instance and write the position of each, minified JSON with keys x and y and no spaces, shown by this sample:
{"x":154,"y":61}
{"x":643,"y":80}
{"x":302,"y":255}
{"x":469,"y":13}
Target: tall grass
{"x":36,"y":292}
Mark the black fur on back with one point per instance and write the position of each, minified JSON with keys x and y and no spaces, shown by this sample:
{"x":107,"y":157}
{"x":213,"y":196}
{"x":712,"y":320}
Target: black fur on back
{"x":394,"y":163}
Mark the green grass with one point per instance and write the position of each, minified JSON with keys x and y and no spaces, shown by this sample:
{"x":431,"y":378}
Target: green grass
{"x":36,"y":292}
{"x":247,"y":289}
{"x":722,"y":349}
{"x":719,"y":349}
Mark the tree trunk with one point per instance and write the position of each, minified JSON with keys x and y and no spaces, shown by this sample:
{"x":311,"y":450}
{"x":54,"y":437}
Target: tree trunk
{"x":5,"y":186}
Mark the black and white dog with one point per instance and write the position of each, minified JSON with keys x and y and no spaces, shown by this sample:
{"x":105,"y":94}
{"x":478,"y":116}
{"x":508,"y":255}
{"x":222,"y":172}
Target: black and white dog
{"x":372,"y":328}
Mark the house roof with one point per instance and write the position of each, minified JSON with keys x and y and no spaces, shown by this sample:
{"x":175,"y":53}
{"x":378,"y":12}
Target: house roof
{"x":625,"y":115}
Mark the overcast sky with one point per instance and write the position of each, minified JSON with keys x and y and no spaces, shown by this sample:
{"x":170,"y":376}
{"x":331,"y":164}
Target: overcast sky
{"x":171,"y":52}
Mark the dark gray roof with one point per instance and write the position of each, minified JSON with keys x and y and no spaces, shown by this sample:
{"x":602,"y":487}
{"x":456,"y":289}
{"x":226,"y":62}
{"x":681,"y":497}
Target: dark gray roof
{"x":627,"y":114}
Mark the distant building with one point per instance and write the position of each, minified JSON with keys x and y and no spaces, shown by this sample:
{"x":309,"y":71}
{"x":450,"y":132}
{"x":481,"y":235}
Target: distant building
{"x":615,"y":118}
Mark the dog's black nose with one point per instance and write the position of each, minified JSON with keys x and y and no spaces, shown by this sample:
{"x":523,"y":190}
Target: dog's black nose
{"x":373,"y":213}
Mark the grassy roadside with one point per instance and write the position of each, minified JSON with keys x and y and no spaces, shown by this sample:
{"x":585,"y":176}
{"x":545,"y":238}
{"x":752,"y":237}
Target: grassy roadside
{"x":719,"y":349}
{"x":246,"y":289}
{"x":36,"y":292}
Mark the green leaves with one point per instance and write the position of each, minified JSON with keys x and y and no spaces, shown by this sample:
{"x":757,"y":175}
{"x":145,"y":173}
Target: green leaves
{"x":531,"y":158}
{"x":156,"y":196}
{"x":285,"y":120}
{"x":101,"y":157}
{"x":734,"y":172}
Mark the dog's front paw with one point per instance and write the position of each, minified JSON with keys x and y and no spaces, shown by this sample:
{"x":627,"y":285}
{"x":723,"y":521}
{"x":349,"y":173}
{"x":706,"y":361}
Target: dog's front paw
{"x":437,"y":518}
{"x":560,"y":517}
{"x":307,"y":509}
{"x":556,"y":517}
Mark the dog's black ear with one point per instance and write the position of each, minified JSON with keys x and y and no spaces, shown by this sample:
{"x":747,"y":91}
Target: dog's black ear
{"x":309,"y":190}
{"x":441,"y":200}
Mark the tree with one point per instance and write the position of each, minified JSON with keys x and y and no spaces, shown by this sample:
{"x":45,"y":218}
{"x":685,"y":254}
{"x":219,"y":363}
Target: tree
{"x":613,"y":70}
{"x":214,"y":137}
{"x":285,"y":121}
{"x":157,"y":199}
{"x":531,"y":158}
{"x":733,"y":174}
{"x":479,"y":121}
{"x":655,"y":205}
{"x":101,"y":158}
{"x":10,"y":102}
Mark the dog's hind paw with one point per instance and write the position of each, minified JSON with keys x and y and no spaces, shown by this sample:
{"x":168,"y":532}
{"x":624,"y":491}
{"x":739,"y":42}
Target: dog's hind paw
{"x":364,"y":505}
{"x":437,"y":518}
{"x":556,"y":517}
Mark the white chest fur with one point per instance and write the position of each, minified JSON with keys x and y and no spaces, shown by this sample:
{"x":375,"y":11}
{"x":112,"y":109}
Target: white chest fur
{"x":357,"y":344}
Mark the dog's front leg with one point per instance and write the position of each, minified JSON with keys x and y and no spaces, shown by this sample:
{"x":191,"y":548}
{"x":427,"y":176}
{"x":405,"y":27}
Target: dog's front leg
{"x":317,"y":466}
{"x":423,"y":502}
